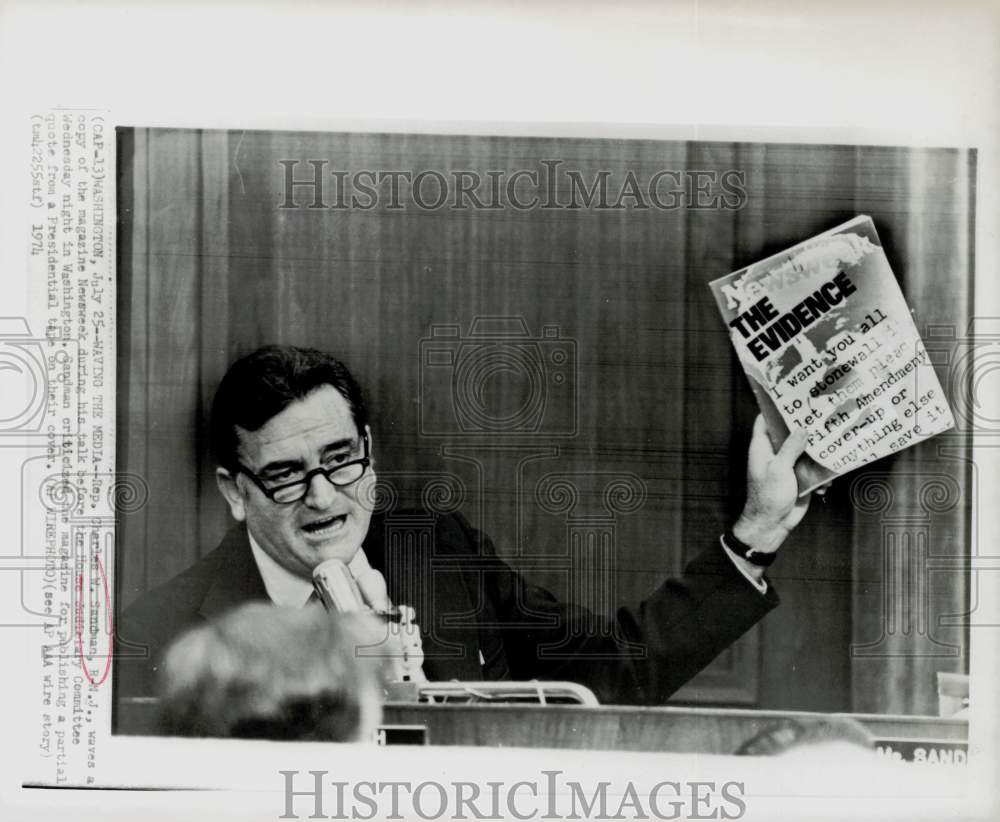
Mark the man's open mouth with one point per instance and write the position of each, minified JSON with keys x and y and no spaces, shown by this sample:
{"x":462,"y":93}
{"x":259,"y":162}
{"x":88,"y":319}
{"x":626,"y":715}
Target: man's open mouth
{"x":326,"y":525}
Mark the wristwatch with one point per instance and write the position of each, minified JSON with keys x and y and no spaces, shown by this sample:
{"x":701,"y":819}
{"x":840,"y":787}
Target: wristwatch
{"x":741,"y":549}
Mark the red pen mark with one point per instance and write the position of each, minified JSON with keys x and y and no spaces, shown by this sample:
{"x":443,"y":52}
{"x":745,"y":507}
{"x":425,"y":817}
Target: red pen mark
{"x":79,"y":624}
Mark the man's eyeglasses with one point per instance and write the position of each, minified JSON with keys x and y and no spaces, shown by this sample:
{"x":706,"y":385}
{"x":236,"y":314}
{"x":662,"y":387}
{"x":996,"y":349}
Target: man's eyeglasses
{"x":346,"y":473}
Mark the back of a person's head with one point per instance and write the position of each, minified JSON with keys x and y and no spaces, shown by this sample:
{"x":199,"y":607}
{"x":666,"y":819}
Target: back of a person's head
{"x":802,"y":734}
{"x":273,"y":673}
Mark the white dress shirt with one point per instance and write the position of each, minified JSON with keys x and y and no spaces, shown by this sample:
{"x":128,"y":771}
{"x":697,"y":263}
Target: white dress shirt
{"x":760,"y":585}
{"x":290,"y":590}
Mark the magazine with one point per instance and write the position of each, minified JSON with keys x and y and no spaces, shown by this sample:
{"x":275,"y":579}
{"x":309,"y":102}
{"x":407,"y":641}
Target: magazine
{"x":828,"y":344}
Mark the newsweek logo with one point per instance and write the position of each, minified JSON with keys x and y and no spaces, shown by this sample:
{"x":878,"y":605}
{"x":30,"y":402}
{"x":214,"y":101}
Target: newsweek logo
{"x":821,"y":259}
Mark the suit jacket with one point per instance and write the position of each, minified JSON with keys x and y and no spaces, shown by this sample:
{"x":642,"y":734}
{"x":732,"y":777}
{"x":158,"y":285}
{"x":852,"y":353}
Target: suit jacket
{"x":469,"y":603}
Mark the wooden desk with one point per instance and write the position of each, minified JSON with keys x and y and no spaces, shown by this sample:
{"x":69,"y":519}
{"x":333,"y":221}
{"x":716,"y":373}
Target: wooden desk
{"x":613,"y":728}
{"x":619,"y":728}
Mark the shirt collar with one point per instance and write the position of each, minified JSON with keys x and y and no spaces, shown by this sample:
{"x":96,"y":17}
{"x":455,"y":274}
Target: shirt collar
{"x":289,"y":590}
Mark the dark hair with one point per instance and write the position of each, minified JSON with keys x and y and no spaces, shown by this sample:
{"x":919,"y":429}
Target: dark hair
{"x":261,"y":385}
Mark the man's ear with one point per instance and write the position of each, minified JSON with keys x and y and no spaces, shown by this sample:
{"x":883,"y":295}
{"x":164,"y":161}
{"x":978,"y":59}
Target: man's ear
{"x":227,"y":485}
{"x":366,"y":494}
{"x":371,"y":446}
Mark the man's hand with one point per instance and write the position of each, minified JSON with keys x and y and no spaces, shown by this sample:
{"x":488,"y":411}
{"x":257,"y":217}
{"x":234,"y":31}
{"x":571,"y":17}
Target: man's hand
{"x":773,"y":507}
{"x":373,"y":589}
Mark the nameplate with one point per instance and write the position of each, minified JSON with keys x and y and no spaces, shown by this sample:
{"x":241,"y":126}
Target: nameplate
{"x":928,"y":751}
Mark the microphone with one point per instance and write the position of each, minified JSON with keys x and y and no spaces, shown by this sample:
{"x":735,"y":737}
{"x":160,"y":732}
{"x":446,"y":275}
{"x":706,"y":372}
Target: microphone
{"x":336,"y":588}
{"x":341,"y":593}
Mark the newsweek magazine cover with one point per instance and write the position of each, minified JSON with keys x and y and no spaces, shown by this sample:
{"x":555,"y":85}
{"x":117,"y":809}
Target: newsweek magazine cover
{"x":829,"y":345}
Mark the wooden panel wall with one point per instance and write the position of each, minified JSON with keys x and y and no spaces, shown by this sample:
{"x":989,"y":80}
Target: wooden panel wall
{"x":210,"y":268}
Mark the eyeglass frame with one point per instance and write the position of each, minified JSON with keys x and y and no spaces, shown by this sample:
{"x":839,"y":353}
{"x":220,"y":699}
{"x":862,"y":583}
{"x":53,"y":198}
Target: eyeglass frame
{"x":306,"y":481}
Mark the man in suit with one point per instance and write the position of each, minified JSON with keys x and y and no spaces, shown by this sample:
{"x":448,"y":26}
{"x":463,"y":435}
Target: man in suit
{"x":295,"y":455}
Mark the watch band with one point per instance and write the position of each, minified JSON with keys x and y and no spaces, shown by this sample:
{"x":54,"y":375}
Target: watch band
{"x":741,"y":549}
